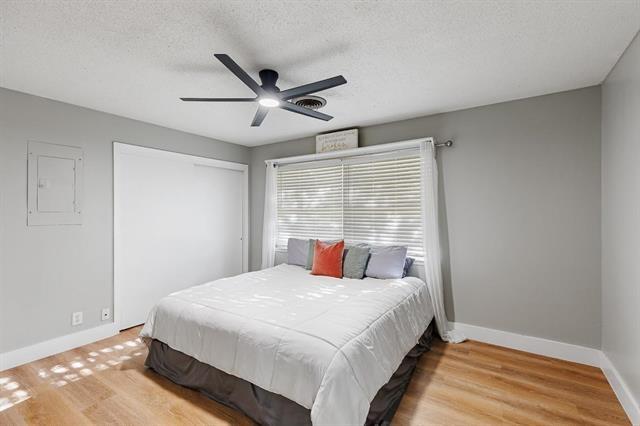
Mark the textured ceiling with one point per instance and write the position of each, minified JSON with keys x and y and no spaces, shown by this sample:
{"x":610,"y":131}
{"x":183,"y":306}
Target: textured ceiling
{"x":401,"y":59}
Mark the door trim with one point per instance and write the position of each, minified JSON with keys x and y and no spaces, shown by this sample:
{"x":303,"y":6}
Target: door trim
{"x":120,"y":148}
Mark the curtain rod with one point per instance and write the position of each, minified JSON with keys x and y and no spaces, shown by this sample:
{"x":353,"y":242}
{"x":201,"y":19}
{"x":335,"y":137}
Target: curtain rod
{"x":353,"y":152}
{"x":445,"y":144}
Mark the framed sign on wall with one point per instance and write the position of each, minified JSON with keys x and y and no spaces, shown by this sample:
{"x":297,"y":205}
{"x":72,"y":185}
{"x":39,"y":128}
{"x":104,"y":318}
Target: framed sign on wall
{"x":336,"y":141}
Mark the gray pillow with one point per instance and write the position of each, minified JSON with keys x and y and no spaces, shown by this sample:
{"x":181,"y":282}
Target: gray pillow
{"x":386,"y":262}
{"x":297,"y":251}
{"x":355,"y":262}
{"x":310,"y":252}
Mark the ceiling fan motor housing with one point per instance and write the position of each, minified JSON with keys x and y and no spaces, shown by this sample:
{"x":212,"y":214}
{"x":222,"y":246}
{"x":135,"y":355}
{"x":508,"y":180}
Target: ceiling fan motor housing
{"x":269,"y":78}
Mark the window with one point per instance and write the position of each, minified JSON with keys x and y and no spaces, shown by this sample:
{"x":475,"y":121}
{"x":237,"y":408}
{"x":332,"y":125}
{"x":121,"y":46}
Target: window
{"x":374,"y":199}
{"x":309,"y":203}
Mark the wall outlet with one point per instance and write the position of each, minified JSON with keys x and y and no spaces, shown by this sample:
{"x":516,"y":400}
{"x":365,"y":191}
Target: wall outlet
{"x":76,"y":318}
{"x":106,"y":314}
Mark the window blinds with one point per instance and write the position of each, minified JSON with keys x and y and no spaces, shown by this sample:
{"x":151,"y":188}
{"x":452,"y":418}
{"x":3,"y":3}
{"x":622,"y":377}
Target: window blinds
{"x":382,"y":203}
{"x":371,"y":199}
{"x":309,"y":203}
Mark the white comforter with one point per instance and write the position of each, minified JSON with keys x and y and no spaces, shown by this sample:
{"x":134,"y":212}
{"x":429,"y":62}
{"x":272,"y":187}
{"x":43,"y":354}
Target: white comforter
{"x":325,"y":343}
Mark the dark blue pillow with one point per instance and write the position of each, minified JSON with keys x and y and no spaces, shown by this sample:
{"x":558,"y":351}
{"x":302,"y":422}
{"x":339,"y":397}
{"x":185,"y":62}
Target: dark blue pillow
{"x":408,"y":261}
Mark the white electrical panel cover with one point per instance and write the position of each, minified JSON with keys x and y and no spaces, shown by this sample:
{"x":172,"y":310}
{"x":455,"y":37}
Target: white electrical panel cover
{"x":54,"y":185}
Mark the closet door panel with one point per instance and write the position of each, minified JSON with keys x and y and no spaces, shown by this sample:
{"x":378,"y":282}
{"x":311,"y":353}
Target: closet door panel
{"x":178,"y":223}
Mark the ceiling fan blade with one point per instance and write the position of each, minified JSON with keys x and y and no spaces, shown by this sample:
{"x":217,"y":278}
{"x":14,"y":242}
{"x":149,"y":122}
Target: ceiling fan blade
{"x":312,"y":87}
{"x":240,"y":73}
{"x":218,"y":99}
{"x":261,"y":113}
{"x":304,"y":111}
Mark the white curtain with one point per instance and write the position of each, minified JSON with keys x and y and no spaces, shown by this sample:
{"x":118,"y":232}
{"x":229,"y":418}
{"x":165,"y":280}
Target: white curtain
{"x":270,"y":221}
{"x":431,"y":236}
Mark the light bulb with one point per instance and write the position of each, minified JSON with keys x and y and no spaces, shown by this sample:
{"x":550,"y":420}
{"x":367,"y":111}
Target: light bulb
{"x":269,"y":102}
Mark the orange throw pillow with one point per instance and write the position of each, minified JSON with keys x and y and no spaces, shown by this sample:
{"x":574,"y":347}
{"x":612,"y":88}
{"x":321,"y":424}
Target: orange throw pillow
{"x":327,"y":259}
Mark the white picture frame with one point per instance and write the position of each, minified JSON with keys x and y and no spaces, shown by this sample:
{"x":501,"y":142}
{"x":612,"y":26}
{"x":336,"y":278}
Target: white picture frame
{"x":337,"y":141}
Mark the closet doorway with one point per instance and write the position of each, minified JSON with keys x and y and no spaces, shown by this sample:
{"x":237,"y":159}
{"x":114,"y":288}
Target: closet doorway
{"x":179,"y":221}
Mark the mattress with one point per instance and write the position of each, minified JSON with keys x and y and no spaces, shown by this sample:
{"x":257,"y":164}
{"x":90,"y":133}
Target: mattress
{"x":327,"y":344}
{"x":267,"y":408}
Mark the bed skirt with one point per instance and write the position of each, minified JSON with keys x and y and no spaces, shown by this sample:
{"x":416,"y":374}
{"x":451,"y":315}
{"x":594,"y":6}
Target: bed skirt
{"x":268,"y":408}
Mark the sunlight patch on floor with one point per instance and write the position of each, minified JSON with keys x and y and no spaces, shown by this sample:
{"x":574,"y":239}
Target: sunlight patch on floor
{"x":58,"y":375}
{"x":11,"y":393}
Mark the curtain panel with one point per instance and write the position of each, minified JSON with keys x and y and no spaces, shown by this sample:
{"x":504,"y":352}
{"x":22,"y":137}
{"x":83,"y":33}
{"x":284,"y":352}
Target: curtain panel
{"x":270,"y":221}
{"x":431,"y":236}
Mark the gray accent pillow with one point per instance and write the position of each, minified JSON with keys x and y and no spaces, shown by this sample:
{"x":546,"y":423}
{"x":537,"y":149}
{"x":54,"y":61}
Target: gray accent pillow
{"x":407,"y":265}
{"x":355,"y":262}
{"x":297,"y":250}
{"x":310,"y":252}
{"x":386,"y":262}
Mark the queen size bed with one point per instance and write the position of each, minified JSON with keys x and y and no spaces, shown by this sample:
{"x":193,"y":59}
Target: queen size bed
{"x":288,"y":347}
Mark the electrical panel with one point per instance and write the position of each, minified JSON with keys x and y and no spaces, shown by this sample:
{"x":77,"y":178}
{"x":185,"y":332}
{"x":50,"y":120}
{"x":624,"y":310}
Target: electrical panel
{"x":54,"y":193}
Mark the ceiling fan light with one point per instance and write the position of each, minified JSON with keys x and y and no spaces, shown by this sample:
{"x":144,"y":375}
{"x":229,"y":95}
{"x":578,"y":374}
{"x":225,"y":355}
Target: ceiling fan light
{"x":269,"y":102}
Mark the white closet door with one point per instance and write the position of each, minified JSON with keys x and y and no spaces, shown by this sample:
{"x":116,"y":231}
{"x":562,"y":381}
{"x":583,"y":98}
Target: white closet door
{"x":178,"y":223}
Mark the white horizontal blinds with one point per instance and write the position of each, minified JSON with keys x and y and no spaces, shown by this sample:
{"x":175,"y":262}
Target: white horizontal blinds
{"x":373,"y":199}
{"x":309,"y":202}
{"x":382,"y":203}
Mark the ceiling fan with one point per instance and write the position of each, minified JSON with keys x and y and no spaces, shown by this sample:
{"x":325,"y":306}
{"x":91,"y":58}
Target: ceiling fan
{"x":269,"y":95}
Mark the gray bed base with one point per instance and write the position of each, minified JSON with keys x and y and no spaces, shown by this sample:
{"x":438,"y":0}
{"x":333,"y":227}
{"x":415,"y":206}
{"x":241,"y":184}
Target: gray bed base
{"x":268,"y":408}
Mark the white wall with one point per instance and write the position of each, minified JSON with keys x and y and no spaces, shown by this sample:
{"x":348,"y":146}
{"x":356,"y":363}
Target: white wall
{"x":621,"y":217}
{"x":520,"y":208}
{"x":48,"y":272}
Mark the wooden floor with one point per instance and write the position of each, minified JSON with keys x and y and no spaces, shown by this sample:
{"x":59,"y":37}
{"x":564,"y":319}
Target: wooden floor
{"x":467,"y":384}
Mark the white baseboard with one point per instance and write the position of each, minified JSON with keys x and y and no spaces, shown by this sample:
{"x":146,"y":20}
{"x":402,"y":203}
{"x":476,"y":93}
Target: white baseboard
{"x":622,"y":391}
{"x":560,"y":350}
{"x":59,"y":344}
{"x":536,"y":345}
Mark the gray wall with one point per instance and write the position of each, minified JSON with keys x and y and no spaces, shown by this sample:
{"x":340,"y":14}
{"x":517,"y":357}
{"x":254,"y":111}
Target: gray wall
{"x":621,"y":217}
{"x":520,"y":202}
{"x":520,"y":207}
{"x":48,"y":272}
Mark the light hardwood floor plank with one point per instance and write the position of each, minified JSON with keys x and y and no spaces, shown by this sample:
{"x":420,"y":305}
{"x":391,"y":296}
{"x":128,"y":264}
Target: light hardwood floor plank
{"x":466,"y":384}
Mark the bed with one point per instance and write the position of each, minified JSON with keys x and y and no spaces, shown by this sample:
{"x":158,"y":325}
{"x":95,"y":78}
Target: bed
{"x":285,"y":346}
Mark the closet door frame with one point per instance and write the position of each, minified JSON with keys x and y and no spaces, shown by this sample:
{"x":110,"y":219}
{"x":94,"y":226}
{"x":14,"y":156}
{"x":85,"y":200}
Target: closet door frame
{"x":120,"y":148}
